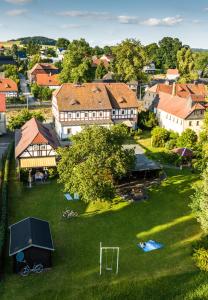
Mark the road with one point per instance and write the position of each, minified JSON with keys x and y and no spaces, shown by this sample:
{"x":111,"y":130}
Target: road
{"x":25,"y":89}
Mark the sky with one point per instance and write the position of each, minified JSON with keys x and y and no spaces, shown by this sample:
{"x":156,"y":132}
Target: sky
{"x":106,"y":22}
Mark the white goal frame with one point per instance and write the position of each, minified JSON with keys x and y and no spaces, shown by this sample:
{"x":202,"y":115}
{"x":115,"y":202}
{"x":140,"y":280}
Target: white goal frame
{"x":101,"y":256}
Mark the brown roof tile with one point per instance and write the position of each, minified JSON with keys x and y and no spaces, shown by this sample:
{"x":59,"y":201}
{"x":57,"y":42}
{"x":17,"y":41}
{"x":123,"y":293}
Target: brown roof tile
{"x":8,"y":85}
{"x":47,"y":80}
{"x":94,"y":96}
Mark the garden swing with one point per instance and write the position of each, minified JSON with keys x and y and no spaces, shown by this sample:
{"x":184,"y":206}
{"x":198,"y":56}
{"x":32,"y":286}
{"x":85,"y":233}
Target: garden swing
{"x":109,"y":265}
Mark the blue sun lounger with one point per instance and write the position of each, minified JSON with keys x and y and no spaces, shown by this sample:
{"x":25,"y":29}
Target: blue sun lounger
{"x":150,"y":246}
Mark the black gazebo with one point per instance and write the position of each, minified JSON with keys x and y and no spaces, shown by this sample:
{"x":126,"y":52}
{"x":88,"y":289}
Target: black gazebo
{"x":30,"y":237}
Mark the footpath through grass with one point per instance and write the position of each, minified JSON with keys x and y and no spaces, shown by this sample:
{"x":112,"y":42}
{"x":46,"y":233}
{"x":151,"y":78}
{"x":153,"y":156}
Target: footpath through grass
{"x":168,"y":273}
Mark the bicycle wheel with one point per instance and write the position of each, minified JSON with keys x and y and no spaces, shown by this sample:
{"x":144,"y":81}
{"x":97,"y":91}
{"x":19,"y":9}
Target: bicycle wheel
{"x":38,"y":268}
{"x":25,"y":271}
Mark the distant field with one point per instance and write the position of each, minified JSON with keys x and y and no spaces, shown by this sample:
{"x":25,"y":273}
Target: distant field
{"x":9,"y":44}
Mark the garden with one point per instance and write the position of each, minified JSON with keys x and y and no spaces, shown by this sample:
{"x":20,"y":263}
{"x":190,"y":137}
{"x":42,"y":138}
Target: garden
{"x":168,"y":273}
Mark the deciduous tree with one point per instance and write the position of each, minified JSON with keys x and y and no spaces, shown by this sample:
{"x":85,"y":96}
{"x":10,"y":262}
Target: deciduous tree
{"x":96,"y":158}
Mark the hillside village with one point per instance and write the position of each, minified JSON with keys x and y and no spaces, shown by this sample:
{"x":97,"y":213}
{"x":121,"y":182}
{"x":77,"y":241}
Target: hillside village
{"x":103,"y":146}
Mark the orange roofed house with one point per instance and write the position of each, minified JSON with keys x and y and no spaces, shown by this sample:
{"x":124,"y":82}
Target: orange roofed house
{"x":48,"y":80}
{"x":105,"y":104}
{"x":2,"y":114}
{"x":172,"y":74}
{"x":41,"y":68}
{"x":35,"y":146}
{"x":178,"y":106}
{"x":8,"y":87}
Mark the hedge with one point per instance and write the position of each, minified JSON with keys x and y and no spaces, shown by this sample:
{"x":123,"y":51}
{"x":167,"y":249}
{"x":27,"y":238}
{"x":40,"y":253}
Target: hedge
{"x":4,"y":204}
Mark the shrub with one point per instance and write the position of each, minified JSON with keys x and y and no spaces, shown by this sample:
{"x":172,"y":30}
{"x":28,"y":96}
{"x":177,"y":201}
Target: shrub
{"x":202,"y":243}
{"x":159,"y":136}
{"x":147,"y":120}
{"x":52,"y":173}
{"x":200,"y":258}
{"x":187,"y":139}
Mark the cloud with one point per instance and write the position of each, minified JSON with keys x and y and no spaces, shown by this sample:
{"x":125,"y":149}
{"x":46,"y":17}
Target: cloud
{"x":16,"y":12}
{"x":206,"y":8}
{"x":168,"y":21}
{"x":127,"y":19}
{"x":18,"y":1}
{"x":84,"y":14}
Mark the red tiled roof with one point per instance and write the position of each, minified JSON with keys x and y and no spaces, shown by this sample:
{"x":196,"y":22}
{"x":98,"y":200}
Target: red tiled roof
{"x":98,"y":61}
{"x":172,"y":72}
{"x":47,"y":80}
{"x":196,"y":91}
{"x":43,"y":67}
{"x":94,"y":96}
{"x":33,"y":132}
{"x":8,"y":85}
{"x":2,"y":103}
{"x":177,"y":106}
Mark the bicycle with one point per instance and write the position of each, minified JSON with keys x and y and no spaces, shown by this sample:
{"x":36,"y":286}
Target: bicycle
{"x":26,"y":270}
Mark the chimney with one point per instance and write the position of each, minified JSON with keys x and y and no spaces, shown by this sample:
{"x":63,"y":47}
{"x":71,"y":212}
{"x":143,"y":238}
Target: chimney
{"x":174,"y":89}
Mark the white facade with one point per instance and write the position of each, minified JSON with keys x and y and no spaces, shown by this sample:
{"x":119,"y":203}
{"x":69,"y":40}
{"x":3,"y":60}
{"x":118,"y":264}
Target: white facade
{"x":37,"y":150}
{"x":2,"y":123}
{"x":10,"y":94}
{"x":68,"y":123}
{"x":171,"y":122}
{"x":172,"y":77}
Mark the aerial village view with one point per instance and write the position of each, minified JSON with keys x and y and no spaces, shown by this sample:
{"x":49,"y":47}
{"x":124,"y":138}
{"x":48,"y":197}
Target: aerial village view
{"x":103,"y":150}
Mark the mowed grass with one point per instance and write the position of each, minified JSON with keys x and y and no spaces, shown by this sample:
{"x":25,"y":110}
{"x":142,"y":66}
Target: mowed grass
{"x":168,"y":273}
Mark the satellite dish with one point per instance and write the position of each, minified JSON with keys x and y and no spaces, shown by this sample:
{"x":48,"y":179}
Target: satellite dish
{"x":20,"y":256}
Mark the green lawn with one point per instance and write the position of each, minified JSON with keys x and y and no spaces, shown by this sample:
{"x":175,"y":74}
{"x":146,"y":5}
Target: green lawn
{"x":163,"y":274}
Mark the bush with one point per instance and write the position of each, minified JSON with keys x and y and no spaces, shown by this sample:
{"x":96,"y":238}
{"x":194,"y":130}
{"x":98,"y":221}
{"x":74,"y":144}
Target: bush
{"x":4,"y":202}
{"x":159,"y":136}
{"x":202,"y":243}
{"x":147,"y":120}
{"x":187,"y":139}
{"x":52,"y":173}
{"x":200,"y":258}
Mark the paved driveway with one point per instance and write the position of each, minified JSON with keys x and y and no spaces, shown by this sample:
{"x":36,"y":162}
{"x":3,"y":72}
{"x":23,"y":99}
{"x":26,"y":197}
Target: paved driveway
{"x":143,"y":163}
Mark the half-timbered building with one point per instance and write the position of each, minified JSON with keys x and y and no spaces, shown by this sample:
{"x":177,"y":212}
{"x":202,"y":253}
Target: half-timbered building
{"x":105,"y":104}
{"x":35,"y":146}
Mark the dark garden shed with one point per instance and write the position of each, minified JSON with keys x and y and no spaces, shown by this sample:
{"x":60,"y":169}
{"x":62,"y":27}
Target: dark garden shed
{"x":30,"y":244}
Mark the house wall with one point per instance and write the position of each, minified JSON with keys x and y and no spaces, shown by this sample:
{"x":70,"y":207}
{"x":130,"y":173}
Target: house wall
{"x":2,"y":123}
{"x":172,"y":77}
{"x":148,"y":100}
{"x":38,"y":150}
{"x":10,"y":93}
{"x":171,"y":122}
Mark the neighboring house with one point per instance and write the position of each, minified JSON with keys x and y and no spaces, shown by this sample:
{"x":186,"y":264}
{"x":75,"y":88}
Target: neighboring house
{"x":8,"y":87}
{"x":150,"y":69}
{"x":133,"y":85}
{"x":35,"y":146}
{"x":48,"y":80}
{"x":7,"y":60}
{"x":30,"y":244}
{"x":172,"y":74}
{"x":178,"y":106}
{"x":2,"y":114}
{"x":41,"y":68}
{"x":105,"y":59}
{"x":177,"y":113}
{"x":177,"y":89}
{"x":105,"y":104}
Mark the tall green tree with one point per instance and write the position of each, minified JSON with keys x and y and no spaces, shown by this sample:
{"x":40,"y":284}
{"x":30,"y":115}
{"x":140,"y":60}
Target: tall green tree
{"x":100,"y":71}
{"x":62,"y":43}
{"x":152,"y":53}
{"x":129,"y":59}
{"x":167,"y":52}
{"x":96,"y":158}
{"x":77,"y":63}
{"x":201,"y":63}
{"x":199,"y":203}
{"x":186,"y":65}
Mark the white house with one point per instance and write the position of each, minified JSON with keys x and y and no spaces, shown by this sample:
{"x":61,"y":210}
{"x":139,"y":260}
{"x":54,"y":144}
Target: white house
{"x":105,"y":104}
{"x":2,"y":114}
{"x":172,"y":74}
{"x":35,"y":146}
{"x":150,"y":69}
